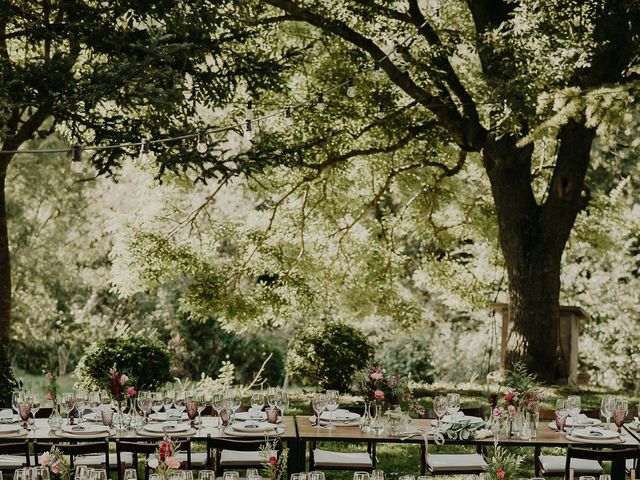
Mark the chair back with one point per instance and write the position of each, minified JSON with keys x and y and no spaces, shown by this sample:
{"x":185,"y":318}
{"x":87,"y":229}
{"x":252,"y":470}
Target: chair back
{"x":219,"y":444}
{"x":617,"y":457}
{"x":135,"y":448}
{"x":16,"y":448}
{"x":74,"y":449}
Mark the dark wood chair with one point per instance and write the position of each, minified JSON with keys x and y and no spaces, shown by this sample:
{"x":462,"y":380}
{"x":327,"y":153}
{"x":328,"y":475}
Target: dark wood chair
{"x":14,"y":455}
{"x":453,"y":463}
{"x":234,"y":454}
{"x":617,"y":457}
{"x":91,"y":453}
{"x":133,"y":449}
{"x":322,"y":459}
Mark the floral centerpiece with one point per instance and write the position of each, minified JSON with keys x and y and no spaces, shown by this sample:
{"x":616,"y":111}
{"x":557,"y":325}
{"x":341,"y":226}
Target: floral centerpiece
{"x":52,"y":386}
{"x":165,"y":458}
{"x":273,"y":466}
{"x":58,"y":464}
{"x":117,"y":384}
{"x":375,"y":386}
{"x":503,"y":465}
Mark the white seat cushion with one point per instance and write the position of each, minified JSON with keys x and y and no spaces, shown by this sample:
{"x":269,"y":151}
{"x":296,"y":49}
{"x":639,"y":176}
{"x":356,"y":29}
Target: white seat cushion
{"x":556,"y":463}
{"x":93,"y":460}
{"x":630,"y":464}
{"x":12,"y":462}
{"x":237,"y":457}
{"x":325,"y":458}
{"x":443,"y":462}
{"x":198,"y":459}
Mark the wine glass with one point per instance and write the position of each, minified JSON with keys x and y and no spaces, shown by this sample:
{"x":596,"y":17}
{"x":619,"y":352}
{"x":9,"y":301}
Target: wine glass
{"x":180,"y":400}
{"x":316,"y":475}
{"x":236,"y":401}
{"x":69,"y":402}
{"x":145,"y":403}
{"x":201,"y":398}
{"x":361,"y":476}
{"x":16,"y":397}
{"x":332,"y":404}
{"x":561,"y":414}
{"x":257,"y":401}
{"x":620,"y":412}
{"x":606,"y":407}
{"x":130,"y":474}
{"x":98,"y":474}
{"x":35,"y":405}
{"x":231,"y":475}
{"x":573,"y":409}
{"x":440,"y":409}
{"x":206,"y":475}
{"x":42,"y":473}
{"x":318,"y":404}
{"x":377,"y":475}
{"x":453,"y":404}
{"x":80,"y":472}
{"x":192,"y":410}
{"x":252,"y":473}
{"x":168,"y":401}
{"x":271,"y":397}
{"x":24,"y":410}
{"x":282,"y":401}
{"x":217,"y":404}
{"x":82,"y":397}
{"x":94,"y":402}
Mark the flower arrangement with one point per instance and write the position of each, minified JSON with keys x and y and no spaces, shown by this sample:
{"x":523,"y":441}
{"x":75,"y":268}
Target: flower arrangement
{"x":165,"y":458}
{"x":117,"y":384}
{"x":52,"y":387}
{"x":58,"y":464}
{"x":375,"y":386}
{"x":502,"y":464}
{"x":273,"y":466}
{"x":524,"y":392}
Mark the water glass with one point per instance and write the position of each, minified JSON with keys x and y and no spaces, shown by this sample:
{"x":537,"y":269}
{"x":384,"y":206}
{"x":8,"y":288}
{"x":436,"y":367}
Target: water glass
{"x":604,"y":476}
{"x":333,"y":401}
{"x":206,"y":475}
{"x":315,"y":475}
{"x":440,"y":408}
{"x":107,"y":416}
{"x":377,"y":475}
{"x":453,"y":403}
{"x":318,"y":404}
{"x":573,"y":409}
{"x":257,"y":401}
{"x":272,"y":415}
{"x":231,"y":475}
{"x":42,"y":473}
{"x":361,"y":476}
{"x":620,"y":413}
{"x":98,"y":474}
{"x":80,"y":472}
{"x":252,"y":473}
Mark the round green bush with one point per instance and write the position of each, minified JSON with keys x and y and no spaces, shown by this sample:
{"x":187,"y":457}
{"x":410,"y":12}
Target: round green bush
{"x":328,"y":354}
{"x":145,"y":361}
{"x":407,"y":355}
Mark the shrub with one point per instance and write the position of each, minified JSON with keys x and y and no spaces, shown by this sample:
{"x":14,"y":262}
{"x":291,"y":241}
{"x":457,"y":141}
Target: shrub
{"x":328,"y":354}
{"x":144,"y":360}
{"x":7,"y":380}
{"x":407,"y":354}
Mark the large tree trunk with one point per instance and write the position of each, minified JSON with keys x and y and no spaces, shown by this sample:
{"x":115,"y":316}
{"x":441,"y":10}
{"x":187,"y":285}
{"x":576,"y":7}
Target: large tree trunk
{"x":533,"y":237}
{"x":5,"y":262}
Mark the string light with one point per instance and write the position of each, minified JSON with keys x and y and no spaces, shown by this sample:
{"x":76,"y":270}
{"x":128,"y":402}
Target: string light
{"x":351,"y":87}
{"x":377,"y":72}
{"x":76,"y":161}
{"x":320,"y":102}
{"x":248,"y":129}
{"x":201,"y":145}
{"x":380,"y":112}
{"x":249,"y":113}
{"x":288,"y":117}
{"x":144,"y":150}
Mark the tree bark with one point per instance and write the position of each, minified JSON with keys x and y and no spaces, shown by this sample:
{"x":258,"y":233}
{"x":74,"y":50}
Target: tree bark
{"x":5,"y":262}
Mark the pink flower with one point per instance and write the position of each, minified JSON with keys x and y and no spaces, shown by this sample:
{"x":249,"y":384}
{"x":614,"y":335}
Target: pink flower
{"x":123,"y":379}
{"x":49,"y":396}
{"x":55,"y":468}
{"x":153,"y":463}
{"x":44,"y":459}
{"x":273,"y":459}
{"x":48,"y":376}
{"x":376,"y":376}
{"x":512,"y":410}
{"x":497,"y":412}
{"x":500,"y":473}
{"x":378,"y":395}
{"x":131,"y":392}
{"x":509,"y":396}
{"x":173,"y":462}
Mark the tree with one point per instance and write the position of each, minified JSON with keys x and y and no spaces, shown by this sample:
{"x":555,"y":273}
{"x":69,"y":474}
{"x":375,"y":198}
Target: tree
{"x":105,"y":73}
{"x":581,"y":55}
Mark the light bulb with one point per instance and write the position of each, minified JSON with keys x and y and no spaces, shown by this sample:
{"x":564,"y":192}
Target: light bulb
{"x":351,"y":88}
{"x":249,"y":113}
{"x":377,"y":73}
{"x":76,"y":161}
{"x":288,"y":117}
{"x":380,"y":112}
{"x":144,"y":150}
{"x":201,"y":146}
{"x":320,"y":102}
{"x":248,"y":130}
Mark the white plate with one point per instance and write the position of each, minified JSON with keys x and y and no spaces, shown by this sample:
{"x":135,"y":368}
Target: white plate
{"x":103,"y":434}
{"x":469,"y":419}
{"x":255,"y":427}
{"x":594,"y":440}
{"x":16,"y":433}
{"x":337,"y":423}
{"x":85,"y":429}
{"x":9,"y":428}
{"x":166,"y":427}
{"x":340,"y":414}
{"x":173,"y":415}
{"x":187,"y":433}
{"x":595,"y":433}
{"x":243,"y":416}
{"x":234,"y":433}
{"x":583,"y":421}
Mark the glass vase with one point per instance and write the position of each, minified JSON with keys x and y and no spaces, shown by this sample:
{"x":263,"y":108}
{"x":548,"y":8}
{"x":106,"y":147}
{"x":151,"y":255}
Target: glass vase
{"x":365,"y":420}
{"x":376,"y":427}
{"x":55,"y":419}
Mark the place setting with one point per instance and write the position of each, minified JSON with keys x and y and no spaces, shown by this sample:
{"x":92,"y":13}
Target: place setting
{"x":172,"y":428}
{"x":84,"y":430}
{"x":13,"y":430}
{"x":253,"y":429}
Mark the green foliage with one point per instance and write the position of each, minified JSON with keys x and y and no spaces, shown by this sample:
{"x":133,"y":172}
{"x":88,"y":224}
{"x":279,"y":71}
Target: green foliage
{"x":518,"y":378}
{"x":407,"y":354}
{"x":7,"y":380}
{"x":327,"y":353}
{"x":144,"y":360}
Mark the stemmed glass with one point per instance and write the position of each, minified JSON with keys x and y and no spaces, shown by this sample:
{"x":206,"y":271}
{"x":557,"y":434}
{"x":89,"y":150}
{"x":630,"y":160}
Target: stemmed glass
{"x":145,"y":403}
{"x":94,"y":402}
{"x":332,"y":404}
{"x":318,"y":404}
{"x":282,"y":402}
{"x":69,"y":402}
{"x":192,"y":410}
{"x":607,"y":404}
{"x":180,"y":400}
{"x":16,"y":398}
{"x":257,"y":401}
{"x":157,"y":402}
{"x":130,"y":474}
{"x":271,"y":397}
{"x":201,"y":398}
{"x":236,"y":401}
{"x":24,"y":410}
{"x":573,"y":409}
{"x":168,"y":402}
{"x":82,"y":397}
{"x":440,"y":408}
{"x":561,"y":414}
{"x":620,"y":412}
{"x":35,"y":405}
{"x":453,"y":404}
{"x":217,"y":404}
{"x":206,"y":475}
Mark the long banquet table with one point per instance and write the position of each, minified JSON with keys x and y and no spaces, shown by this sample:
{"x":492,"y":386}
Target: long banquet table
{"x":299,"y":431}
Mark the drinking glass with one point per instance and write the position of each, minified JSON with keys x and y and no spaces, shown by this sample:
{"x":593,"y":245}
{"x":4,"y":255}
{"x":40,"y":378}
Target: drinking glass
{"x":620,"y":412}
{"x":361,"y":476}
{"x":130,"y":474}
{"x":318,"y":404}
{"x":573,"y":410}
{"x":231,"y":475}
{"x":439,"y":408}
{"x":606,"y":407}
{"x":80,"y":472}
{"x":107,"y":416}
{"x":453,"y":404}
{"x":332,"y":404}
{"x":82,"y":398}
{"x":94,"y":402}
{"x":98,"y":474}
{"x":168,"y":401}
{"x":377,"y":475}
{"x":105,"y":399}
{"x":180,"y":400}
{"x":257,"y":401}
{"x":42,"y":473}
{"x":316,"y":475}
{"x":282,"y":401}
{"x":192,"y":411}
{"x":604,"y":476}
{"x":206,"y":475}
{"x":252,"y":473}
{"x":177,"y":475}
{"x":217,"y":404}
{"x":271,"y":397}
{"x":561,"y":414}
{"x":157,"y":402}
{"x":201,"y":398}
{"x":188,"y":475}
{"x":18,"y":474}
{"x":16,"y":397}
{"x":145,"y":403}
{"x":24,"y":409}
{"x":35,"y":405}
{"x":154,"y":476}
{"x":236,"y":401}
{"x":587,"y":477}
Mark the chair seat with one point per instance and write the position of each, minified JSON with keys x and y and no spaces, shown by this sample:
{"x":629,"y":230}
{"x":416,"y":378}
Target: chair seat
{"x":326,"y":458}
{"x":241,"y":458}
{"x":198,"y":459}
{"x":12,"y":462}
{"x":554,"y":464}
{"x":467,"y":462}
{"x":93,"y":460}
